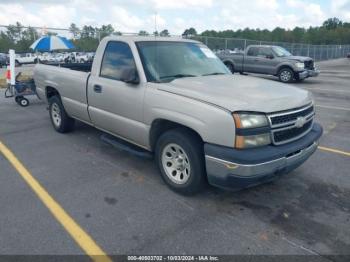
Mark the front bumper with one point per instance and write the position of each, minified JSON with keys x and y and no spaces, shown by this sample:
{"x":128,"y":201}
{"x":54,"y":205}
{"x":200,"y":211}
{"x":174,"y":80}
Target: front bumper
{"x":238,"y":169}
{"x":308,"y":73}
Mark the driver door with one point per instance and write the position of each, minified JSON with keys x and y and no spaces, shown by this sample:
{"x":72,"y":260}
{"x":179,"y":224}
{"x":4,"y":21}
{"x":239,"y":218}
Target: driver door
{"x":114,"y":105}
{"x":267,"y":61}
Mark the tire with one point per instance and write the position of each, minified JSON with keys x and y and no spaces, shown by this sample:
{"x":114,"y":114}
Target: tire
{"x":18,"y":98}
{"x":230,"y":67}
{"x":17,"y":63}
{"x":286,"y":75}
{"x":180,"y":158}
{"x":23,"y":102}
{"x":60,"y":120}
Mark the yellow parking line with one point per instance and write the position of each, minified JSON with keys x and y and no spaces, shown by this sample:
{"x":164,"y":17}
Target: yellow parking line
{"x":76,"y":232}
{"x":334,"y":151}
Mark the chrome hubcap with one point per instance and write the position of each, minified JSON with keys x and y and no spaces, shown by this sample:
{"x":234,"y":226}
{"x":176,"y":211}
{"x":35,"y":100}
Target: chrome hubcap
{"x":286,"y":76}
{"x":56,"y":114}
{"x":176,"y":163}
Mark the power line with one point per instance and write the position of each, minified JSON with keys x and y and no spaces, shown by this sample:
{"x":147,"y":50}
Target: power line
{"x":36,"y":27}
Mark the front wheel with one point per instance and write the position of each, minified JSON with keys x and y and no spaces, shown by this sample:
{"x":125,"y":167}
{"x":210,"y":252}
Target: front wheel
{"x":180,"y":158}
{"x":60,"y":120}
{"x":230,"y":67}
{"x":285,"y":75}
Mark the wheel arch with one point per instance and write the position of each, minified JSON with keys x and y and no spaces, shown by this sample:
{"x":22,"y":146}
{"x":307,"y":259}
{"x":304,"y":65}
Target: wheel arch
{"x":160,"y":126}
{"x":50,"y":92}
{"x":229,"y":62}
{"x":279,"y":68}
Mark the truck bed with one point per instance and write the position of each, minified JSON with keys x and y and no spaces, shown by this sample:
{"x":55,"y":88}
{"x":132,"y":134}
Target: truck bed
{"x":70,"y":80}
{"x":83,"y":67}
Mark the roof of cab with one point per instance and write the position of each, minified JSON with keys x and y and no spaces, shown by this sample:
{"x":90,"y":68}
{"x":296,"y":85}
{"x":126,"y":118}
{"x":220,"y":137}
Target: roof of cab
{"x":150,"y":38}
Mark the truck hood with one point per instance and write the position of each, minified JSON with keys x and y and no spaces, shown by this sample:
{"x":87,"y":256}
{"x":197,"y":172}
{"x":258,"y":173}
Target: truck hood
{"x":298,"y":58}
{"x":239,"y":93}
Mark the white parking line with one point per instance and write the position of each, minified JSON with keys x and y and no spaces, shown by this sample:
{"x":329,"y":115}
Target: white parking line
{"x":334,"y":107}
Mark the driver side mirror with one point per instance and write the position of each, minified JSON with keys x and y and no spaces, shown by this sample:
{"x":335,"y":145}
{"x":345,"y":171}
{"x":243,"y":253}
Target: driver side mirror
{"x":130,"y":76}
{"x":270,"y":57}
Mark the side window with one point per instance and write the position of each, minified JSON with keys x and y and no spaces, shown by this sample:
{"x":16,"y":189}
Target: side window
{"x":265,"y":51}
{"x":116,"y":59}
{"x":253,"y":51}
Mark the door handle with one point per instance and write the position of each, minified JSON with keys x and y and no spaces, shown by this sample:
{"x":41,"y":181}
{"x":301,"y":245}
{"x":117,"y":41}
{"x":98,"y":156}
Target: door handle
{"x":98,"y":89}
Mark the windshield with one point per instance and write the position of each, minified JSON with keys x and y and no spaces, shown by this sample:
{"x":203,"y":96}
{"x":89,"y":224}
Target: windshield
{"x":280,"y":51}
{"x":165,"y":61}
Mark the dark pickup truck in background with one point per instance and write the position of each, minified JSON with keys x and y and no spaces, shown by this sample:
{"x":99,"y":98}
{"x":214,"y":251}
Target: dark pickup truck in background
{"x":270,"y":60}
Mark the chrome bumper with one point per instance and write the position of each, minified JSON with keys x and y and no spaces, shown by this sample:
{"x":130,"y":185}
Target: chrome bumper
{"x":222,"y":168}
{"x":309,"y":73}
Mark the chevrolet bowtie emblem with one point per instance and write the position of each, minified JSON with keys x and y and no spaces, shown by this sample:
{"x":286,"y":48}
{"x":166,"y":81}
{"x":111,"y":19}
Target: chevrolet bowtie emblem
{"x":300,"y":122}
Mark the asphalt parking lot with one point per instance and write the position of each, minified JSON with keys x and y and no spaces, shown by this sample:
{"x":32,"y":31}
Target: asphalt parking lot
{"x":120,"y":201}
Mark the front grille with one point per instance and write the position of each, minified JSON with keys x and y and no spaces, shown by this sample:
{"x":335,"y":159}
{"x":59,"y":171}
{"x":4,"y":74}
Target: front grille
{"x":309,"y":65}
{"x":291,"y":125}
{"x":291,"y":133}
{"x":286,"y":118}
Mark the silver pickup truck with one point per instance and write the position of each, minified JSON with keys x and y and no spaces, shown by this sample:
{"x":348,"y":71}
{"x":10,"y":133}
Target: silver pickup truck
{"x":270,"y":60}
{"x":176,"y":99}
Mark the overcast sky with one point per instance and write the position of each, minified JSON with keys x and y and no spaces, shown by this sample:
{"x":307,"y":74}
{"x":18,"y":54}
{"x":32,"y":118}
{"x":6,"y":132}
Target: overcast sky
{"x":174,"y":15}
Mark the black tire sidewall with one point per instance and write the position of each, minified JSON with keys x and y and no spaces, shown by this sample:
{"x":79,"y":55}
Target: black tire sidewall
{"x":66,"y":122}
{"x":22,"y":99}
{"x":230,"y":67}
{"x":194,"y":150}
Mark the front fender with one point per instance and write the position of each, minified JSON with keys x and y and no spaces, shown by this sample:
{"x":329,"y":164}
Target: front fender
{"x":214,"y":124}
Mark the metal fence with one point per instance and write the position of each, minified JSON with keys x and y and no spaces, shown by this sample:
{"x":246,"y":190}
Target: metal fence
{"x":317,"y":52}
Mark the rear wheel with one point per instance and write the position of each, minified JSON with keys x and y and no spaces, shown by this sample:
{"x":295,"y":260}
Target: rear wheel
{"x":180,"y":158}
{"x":60,"y":120}
{"x":286,"y":75}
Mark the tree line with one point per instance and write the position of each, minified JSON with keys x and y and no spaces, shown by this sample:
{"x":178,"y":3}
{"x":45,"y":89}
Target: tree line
{"x":86,"y":38}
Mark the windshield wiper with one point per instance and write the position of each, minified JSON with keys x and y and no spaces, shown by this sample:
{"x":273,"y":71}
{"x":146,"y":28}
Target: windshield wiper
{"x":177,"y":76}
{"x":214,"y":74}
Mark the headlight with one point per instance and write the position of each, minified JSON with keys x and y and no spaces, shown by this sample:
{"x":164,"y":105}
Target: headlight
{"x":244,"y":120}
{"x":253,"y":141}
{"x":300,"y":65}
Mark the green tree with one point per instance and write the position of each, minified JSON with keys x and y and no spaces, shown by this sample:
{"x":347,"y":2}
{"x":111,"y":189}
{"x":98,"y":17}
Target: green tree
{"x":106,"y":30}
{"x":165,"y":32}
{"x":190,"y":32}
{"x":332,"y":23}
{"x":88,"y":32}
{"x":14,"y":32}
{"x":74,"y":30}
{"x":143,"y":33}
